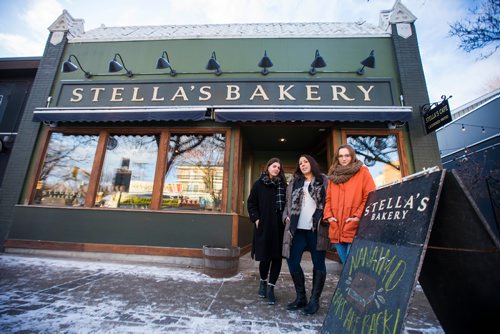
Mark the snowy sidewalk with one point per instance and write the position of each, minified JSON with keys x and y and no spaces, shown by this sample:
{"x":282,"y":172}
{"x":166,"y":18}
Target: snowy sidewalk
{"x":47,"y":295}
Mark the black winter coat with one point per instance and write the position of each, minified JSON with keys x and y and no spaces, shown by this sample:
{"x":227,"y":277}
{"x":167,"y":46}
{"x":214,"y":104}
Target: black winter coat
{"x":268,"y":238}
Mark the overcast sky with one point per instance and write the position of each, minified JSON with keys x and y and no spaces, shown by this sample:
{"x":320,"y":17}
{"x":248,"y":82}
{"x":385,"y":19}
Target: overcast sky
{"x":448,"y":70}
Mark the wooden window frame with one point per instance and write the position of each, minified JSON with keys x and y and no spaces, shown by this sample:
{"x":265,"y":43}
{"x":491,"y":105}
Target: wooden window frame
{"x":161,"y":162}
{"x":380,"y":132}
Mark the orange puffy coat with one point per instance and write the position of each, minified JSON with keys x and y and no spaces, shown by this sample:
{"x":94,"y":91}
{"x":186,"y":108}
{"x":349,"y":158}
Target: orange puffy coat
{"x":346,"y":200}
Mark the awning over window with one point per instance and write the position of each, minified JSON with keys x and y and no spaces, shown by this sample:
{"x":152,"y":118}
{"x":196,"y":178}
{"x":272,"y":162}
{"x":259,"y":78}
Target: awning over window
{"x":111,"y":114}
{"x":323,"y":114}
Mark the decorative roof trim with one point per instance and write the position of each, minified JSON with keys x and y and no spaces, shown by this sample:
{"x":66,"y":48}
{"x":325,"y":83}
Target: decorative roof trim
{"x":232,"y":31}
{"x":65,"y":22}
{"x":398,"y":14}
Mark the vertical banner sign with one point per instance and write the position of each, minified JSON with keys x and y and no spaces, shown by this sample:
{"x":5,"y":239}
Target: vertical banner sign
{"x":377,"y":281}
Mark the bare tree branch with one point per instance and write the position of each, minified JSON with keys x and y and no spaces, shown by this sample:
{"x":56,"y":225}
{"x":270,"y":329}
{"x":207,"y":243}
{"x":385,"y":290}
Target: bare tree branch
{"x":480,"y":31}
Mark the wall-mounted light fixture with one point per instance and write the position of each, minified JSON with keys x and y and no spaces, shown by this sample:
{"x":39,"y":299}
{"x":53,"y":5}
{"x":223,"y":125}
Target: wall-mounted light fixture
{"x":318,"y":62}
{"x":368,"y":62}
{"x":68,"y":66}
{"x":265,"y":63}
{"x":164,"y":62}
{"x":213,"y":64}
{"x":115,"y":66}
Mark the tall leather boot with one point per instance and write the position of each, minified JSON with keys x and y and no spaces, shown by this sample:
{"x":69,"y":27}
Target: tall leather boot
{"x":263,"y":288}
{"x":300,"y":289}
{"x":318,"y":284}
{"x":271,"y":299}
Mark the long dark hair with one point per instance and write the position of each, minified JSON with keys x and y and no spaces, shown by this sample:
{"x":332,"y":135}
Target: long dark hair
{"x":281,"y":175}
{"x":314,"y":168}
{"x":335,"y":162}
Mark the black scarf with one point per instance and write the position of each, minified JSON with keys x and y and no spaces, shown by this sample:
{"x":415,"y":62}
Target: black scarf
{"x":280,"y":187}
{"x":317,"y":192}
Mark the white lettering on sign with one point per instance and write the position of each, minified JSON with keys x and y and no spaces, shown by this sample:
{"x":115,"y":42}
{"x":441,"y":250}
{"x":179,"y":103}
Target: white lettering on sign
{"x":284,"y":92}
{"x":77,"y":95}
{"x":233,"y":93}
{"x":396,"y":208}
{"x":180,"y":93}
{"x":205,"y":94}
{"x":227,"y":92}
{"x":259,"y":91}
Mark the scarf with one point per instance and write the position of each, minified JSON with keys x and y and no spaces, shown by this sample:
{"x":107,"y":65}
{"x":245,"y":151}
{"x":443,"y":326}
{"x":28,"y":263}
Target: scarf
{"x":280,"y":190}
{"x":317,"y":192}
{"x":342,"y":174}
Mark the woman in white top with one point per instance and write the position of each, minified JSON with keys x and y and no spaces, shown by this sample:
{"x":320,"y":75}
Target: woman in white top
{"x":305,"y":230}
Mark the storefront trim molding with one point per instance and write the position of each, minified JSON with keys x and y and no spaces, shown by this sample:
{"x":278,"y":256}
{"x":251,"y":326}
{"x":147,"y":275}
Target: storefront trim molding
{"x":103,"y":248}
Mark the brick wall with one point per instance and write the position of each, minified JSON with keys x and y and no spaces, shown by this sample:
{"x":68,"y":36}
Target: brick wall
{"x":414,"y":89}
{"x":17,"y":168}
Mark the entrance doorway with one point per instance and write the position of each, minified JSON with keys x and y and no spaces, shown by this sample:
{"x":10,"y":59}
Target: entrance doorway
{"x":285,"y":141}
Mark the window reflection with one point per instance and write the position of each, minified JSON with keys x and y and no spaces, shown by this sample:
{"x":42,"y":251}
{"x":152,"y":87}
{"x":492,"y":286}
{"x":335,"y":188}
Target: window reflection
{"x":66,"y":170}
{"x":128,"y":172}
{"x":194,"y":172}
{"x":380,"y":155}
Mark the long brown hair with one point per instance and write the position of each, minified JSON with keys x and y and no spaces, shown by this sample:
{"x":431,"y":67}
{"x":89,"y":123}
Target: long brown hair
{"x":281,"y":175}
{"x":335,"y":162}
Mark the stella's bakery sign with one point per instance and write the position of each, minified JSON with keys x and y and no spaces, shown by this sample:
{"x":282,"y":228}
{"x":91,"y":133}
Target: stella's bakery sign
{"x":79,"y":94}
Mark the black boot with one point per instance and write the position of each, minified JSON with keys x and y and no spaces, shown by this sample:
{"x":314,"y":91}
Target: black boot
{"x":300,"y":289}
{"x":318,"y":284}
{"x":271,"y":299}
{"x":263,"y":288}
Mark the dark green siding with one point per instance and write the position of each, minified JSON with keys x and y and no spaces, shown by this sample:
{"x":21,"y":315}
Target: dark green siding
{"x":145,"y":228}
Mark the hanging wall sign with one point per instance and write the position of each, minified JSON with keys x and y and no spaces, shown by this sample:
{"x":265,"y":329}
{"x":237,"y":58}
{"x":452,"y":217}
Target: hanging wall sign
{"x":381,"y":271}
{"x":437,"y":116}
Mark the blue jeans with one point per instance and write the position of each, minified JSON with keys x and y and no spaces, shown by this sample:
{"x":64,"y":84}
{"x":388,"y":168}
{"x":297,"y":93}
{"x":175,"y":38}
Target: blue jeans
{"x":343,"y":250}
{"x":301,"y":240}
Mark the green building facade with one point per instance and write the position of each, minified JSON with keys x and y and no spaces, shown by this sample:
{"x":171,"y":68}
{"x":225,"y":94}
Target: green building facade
{"x":146,"y":140}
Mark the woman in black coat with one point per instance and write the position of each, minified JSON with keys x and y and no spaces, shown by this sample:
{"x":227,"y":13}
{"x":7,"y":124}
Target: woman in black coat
{"x":265,"y":207}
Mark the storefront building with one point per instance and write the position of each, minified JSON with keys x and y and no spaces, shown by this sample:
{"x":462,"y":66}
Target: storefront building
{"x":16,"y":79}
{"x":149,"y":138}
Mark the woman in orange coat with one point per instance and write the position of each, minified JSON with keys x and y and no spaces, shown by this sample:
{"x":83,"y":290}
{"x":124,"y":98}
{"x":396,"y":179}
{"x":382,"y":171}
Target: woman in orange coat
{"x":349,"y":183}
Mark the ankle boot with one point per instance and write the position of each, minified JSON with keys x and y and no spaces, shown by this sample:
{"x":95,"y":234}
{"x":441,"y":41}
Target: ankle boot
{"x":300,"y":289}
{"x":263,"y":288}
{"x":271,"y":299}
{"x":318,"y":284}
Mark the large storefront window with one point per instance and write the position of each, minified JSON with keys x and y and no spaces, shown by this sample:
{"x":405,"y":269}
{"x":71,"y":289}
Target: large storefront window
{"x":128,"y":172}
{"x":380,"y":154}
{"x":194,"y":175}
{"x":65,"y":174}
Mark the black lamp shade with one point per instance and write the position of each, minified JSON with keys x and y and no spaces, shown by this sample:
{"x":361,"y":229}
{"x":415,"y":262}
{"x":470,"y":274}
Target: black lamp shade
{"x":68,"y":66}
{"x":265,"y":62}
{"x":115,"y":66}
{"x":162,"y":63}
{"x":318,"y":61}
{"x":370,"y":60}
{"x":213,"y":64}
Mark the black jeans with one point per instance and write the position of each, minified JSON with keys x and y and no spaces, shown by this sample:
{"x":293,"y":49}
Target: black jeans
{"x":274,"y":265}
